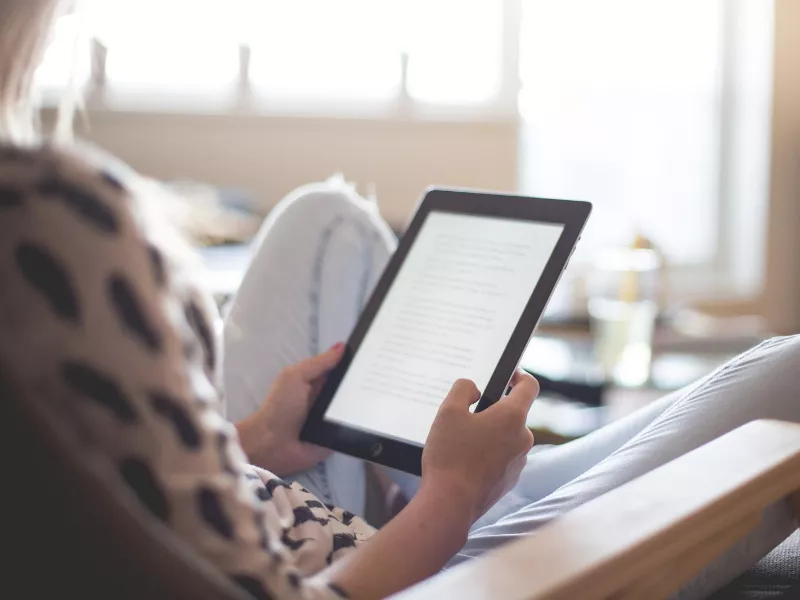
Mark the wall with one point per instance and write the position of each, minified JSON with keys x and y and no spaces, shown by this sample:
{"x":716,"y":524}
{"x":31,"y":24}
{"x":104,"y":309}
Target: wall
{"x":781,"y":297}
{"x":270,"y":156}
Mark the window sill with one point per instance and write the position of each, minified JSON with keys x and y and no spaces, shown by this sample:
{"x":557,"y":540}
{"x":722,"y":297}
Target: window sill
{"x":233,"y":104}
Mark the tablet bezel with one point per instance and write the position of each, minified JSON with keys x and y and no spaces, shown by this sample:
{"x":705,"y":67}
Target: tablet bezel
{"x":407,"y":456}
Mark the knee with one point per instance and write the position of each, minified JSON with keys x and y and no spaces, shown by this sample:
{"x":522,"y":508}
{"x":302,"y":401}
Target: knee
{"x":769,"y":371}
{"x":784,"y":350}
{"x":317,"y":205}
{"x":323,"y":216}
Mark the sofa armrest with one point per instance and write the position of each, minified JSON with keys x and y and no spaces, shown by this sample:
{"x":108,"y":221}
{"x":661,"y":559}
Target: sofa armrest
{"x":646,"y":538}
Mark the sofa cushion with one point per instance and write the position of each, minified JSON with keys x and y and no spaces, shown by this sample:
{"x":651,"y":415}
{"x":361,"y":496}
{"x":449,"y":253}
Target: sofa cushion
{"x":775,"y":577}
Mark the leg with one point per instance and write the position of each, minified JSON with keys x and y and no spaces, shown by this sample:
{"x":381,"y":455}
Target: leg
{"x":317,"y":257}
{"x":758,"y":384}
{"x":549,"y":468}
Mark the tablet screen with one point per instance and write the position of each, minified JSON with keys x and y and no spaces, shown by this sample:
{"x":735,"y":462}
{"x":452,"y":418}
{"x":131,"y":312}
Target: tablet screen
{"x":449,"y":314}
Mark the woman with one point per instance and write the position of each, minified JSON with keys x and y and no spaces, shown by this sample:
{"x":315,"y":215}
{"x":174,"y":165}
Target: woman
{"x":103,"y":325}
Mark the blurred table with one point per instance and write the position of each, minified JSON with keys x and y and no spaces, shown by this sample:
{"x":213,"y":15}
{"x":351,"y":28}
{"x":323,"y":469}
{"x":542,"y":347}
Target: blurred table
{"x":569,"y":357}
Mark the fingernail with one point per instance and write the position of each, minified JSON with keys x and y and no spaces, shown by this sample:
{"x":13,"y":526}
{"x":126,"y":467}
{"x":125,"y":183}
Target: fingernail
{"x":338,"y":346}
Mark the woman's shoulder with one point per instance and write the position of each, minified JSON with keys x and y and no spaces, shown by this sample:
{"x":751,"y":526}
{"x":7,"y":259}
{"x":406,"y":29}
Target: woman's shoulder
{"x":82,"y":209}
{"x":98,"y":330}
{"x":51,"y":183}
{"x":60,"y":184}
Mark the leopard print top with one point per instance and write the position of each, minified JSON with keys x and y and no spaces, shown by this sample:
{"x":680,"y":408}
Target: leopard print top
{"x":103,"y":325}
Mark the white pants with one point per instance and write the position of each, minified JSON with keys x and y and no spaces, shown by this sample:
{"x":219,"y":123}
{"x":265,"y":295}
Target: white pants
{"x":318,"y":256}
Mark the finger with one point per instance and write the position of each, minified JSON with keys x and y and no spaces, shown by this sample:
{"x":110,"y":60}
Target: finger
{"x":317,"y":366}
{"x":527,"y":442}
{"x":524,"y":391}
{"x":463,"y":394}
{"x":517,"y":376}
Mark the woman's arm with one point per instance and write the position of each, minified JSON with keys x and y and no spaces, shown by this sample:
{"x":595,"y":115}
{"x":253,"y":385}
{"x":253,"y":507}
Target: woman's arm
{"x":469,"y":462}
{"x":411,"y":547}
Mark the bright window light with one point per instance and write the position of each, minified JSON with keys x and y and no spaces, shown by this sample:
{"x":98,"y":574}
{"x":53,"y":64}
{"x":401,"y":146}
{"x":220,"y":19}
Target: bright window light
{"x":455,"y":50}
{"x":621,"y":106}
{"x":347,"y":51}
{"x":169,"y":46}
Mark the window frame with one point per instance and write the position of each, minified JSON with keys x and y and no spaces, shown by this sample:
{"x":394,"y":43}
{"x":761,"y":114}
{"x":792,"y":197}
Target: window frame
{"x":722,"y":277}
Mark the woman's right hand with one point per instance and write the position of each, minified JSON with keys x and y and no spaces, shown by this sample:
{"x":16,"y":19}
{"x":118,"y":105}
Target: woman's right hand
{"x":478,"y":457}
{"x":470,"y":460}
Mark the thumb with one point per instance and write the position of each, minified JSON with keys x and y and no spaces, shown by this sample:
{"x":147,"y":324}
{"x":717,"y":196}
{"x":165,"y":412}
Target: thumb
{"x":319,"y":365}
{"x":463,"y":394}
{"x":524,"y":389}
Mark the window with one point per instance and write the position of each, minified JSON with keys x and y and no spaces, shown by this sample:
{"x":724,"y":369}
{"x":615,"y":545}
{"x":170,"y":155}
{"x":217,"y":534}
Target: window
{"x":454,"y":55}
{"x":350,"y":50}
{"x":441,"y":52}
{"x":175,"y":47}
{"x":657,"y":111}
{"x":359,"y":50}
{"x":622,"y":107}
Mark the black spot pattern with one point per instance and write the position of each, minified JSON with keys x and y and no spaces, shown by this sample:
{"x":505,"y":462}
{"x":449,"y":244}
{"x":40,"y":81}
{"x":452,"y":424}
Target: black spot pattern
{"x":294,"y":580}
{"x":338,"y":591}
{"x":141,"y":480}
{"x":290,"y":543}
{"x":96,"y":212}
{"x":272,"y":484}
{"x":213,"y":513}
{"x":252,"y":586}
{"x":303,"y":514}
{"x":82,"y":202}
{"x":340,"y":541}
{"x":170,"y":409}
{"x":158,"y":266}
{"x":91,"y":383}
{"x":16,"y":154}
{"x":199,"y":325}
{"x":347,"y":517}
{"x":45,"y":273}
{"x":129,"y":309}
{"x":343,"y":540}
{"x":10,"y":198}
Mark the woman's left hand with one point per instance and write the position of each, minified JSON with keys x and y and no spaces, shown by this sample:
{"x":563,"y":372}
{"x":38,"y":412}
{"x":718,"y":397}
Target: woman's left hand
{"x":271,"y":435}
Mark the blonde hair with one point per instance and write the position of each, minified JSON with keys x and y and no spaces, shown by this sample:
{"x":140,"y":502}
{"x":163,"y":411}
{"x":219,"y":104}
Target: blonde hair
{"x":25,"y":28}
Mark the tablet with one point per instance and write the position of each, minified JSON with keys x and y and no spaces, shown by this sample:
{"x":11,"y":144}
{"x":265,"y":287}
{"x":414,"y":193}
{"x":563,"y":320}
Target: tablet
{"x":460,"y":298}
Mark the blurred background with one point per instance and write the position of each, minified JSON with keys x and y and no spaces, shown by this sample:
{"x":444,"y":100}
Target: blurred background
{"x":678,"y":119}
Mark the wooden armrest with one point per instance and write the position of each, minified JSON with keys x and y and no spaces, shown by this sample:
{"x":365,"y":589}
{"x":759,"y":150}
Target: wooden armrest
{"x":646,"y":538}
